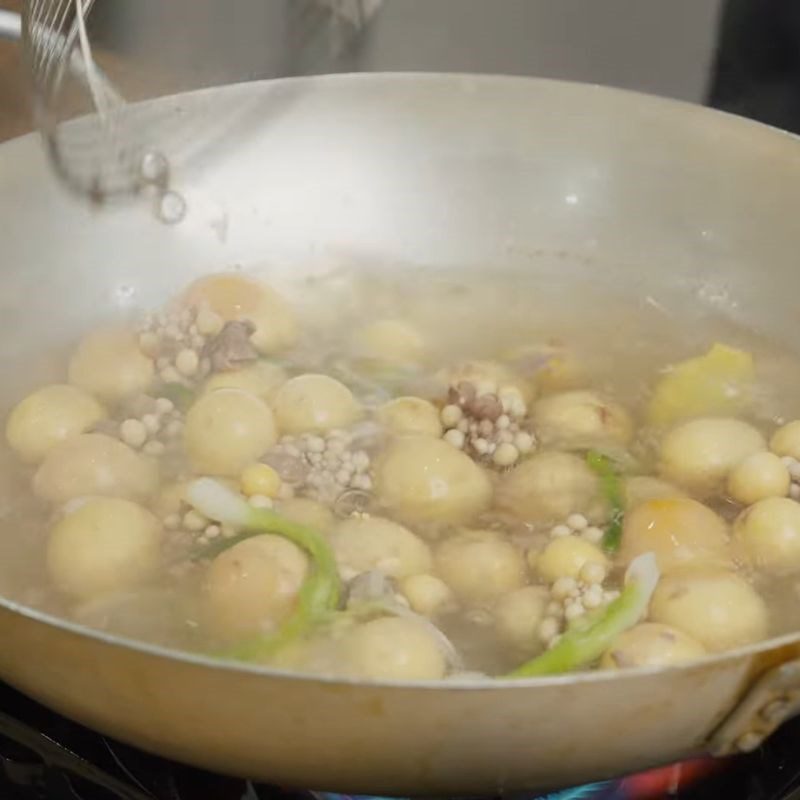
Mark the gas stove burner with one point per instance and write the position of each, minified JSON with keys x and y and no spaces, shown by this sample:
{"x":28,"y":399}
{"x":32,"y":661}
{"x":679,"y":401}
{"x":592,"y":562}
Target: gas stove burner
{"x":46,"y":757}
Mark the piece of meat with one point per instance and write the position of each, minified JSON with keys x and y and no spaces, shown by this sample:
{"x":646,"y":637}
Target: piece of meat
{"x":370,"y":586}
{"x":461,"y":395}
{"x":291,"y":469}
{"x":231,"y":348}
{"x":487,"y":406}
{"x":352,"y":501}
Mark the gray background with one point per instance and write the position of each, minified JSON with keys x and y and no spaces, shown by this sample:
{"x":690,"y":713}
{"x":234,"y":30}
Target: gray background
{"x":659,"y":46}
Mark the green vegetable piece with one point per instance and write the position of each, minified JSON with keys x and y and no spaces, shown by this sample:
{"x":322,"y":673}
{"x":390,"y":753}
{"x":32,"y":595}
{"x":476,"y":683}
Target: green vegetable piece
{"x":221,"y":544}
{"x":603,"y":467}
{"x":319,"y":595}
{"x":585,"y":642}
{"x":181,"y":396}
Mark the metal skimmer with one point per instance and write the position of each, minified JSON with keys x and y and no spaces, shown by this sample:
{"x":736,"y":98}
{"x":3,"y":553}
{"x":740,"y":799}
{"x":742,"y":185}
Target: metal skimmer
{"x":101,"y":145}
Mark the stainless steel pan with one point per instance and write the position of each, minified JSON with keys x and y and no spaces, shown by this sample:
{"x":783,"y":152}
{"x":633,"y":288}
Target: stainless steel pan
{"x":578,"y":182}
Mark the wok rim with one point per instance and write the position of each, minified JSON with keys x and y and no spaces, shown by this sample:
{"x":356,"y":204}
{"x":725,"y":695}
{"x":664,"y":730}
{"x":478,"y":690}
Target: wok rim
{"x":472,"y":684}
{"x":398,"y":76}
{"x":684,"y":110}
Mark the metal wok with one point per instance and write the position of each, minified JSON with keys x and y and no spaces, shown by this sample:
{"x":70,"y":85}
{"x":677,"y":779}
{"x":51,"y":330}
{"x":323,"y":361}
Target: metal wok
{"x":589,"y":184}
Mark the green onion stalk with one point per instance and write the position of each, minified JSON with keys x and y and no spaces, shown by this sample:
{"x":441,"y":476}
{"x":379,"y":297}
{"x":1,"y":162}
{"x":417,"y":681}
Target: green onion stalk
{"x":318,"y":597}
{"x":589,"y":638}
{"x":603,"y":467}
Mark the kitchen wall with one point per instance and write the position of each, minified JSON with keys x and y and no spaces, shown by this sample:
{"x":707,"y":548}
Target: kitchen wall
{"x":660,"y":46}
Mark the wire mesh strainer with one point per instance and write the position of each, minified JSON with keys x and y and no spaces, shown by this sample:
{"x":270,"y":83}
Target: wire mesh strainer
{"x":102,"y":146}
{"x":97,"y":143}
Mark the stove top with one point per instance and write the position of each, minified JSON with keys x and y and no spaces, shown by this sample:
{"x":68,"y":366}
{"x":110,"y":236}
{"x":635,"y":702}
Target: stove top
{"x":46,"y":757}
